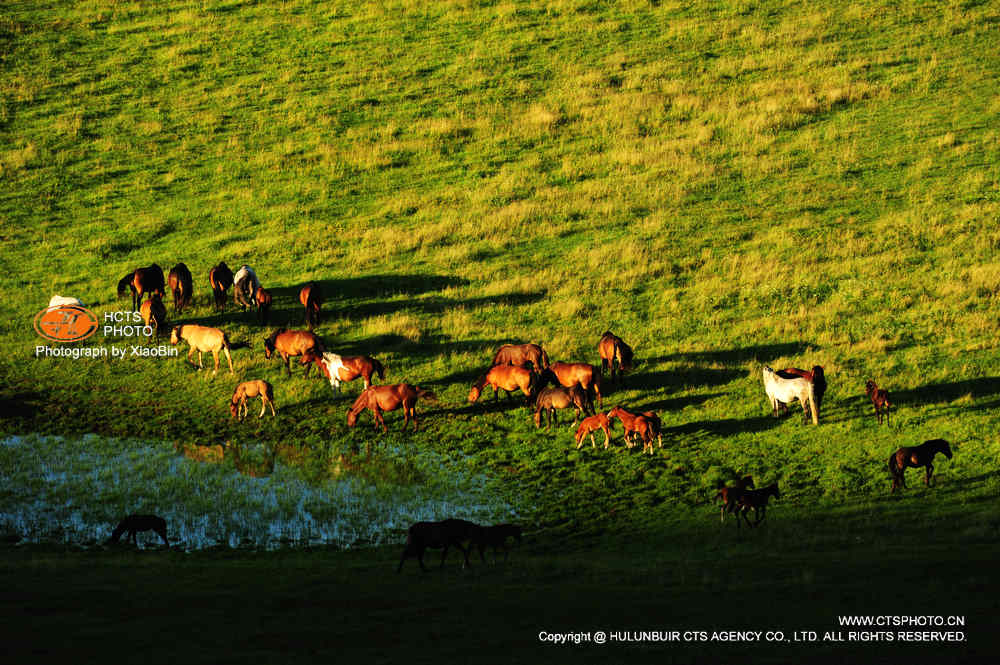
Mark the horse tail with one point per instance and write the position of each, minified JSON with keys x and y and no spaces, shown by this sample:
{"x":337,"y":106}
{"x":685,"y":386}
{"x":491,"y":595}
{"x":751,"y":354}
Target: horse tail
{"x":812,"y":404}
{"x":379,"y":368}
{"x":545,"y":357}
{"x":225,"y":342}
{"x":428,"y":395}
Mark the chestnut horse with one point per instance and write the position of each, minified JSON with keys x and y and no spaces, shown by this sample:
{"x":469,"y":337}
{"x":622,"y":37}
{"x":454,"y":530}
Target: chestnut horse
{"x":290,"y":343}
{"x":568,"y":374}
{"x":916,"y":456}
{"x":730,"y":495}
{"x":591,"y":424}
{"x":507,"y":378}
{"x":880,"y":400}
{"x":257,"y":388}
{"x":389,"y":398}
{"x":146,"y":281}
{"x":154,"y":314}
{"x":312,"y":299}
{"x":635,"y":424}
{"x":264,"y":300}
{"x":521,"y":355}
{"x":203,"y":339}
{"x":560,"y":397}
{"x":756,"y":500}
{"x":613,"y":349}
{"x":221,"y":278}
{"x":347,"y":368}
{"x":181,"y":286}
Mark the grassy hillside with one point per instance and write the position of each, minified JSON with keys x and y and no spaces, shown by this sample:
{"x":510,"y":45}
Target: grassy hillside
{"x":724,"y":186}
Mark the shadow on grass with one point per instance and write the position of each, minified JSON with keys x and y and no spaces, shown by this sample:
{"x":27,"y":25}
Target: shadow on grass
{"x":947,"y":392}
{"x":761,"y":353}
{"x":683,"y":378}
{"x":724,"y":427}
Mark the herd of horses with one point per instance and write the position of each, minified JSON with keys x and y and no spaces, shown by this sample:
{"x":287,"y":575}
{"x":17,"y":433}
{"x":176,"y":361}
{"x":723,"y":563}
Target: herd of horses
{"x":546,"y":386}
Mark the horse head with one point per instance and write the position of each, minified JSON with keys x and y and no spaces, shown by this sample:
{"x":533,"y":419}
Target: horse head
{"x":175,"y":334}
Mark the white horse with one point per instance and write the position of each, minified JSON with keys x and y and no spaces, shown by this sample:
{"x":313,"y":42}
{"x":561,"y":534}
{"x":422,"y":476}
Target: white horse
{"x":333,"y":364}
{"x":783,"y":391}
{"x":246,"y":283}
{"x":58,"y":301}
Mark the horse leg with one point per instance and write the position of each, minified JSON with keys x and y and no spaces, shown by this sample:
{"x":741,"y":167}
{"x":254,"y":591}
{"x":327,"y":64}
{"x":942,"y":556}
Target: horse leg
{"x":263,"y":406}
{"x":928,"y":474}
{"x":200,"y":365}
{"x":380,"y":419}
{"x":607,"y":438}
{"x":762,"y":512}
{"x":443,"y":555}
{"x":215,"y":354}
{"x":229,"y":358}
{"x":287,"y":359}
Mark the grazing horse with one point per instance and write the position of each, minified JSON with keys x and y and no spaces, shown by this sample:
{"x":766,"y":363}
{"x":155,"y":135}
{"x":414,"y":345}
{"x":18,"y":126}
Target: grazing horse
{"x":880,"y":400}
{"x":442,"y":534}
{"x":250,"y":389}
{"x":730,"y":495}
{"x":613,"y":349}
{"x":154,"y":314}
{"x":507,"y":378}
{"x":521,"y":355}
{"x":568,"y":374}
{"x":496,"y":537}
{"x":221,"y":278}
{"x":125,"y":285}
{"x":916,"y":456}
{"x":757,"y":500}
{"x":347,"y":368}
{"x":312,"y":299}
{"x":389,"y":398}
{"x":203,"y":339}
{"x":781,"y":391}
{"x":181,"y":285}
{"x":146,"y":281}
{"x":591,"y":424}
{"x":560,"y":397}
{"x":245,"y":284}
{"x":815,"y":376}
{"x":290,"y":343}
{"x":135,"y":523}
{"x":264,"y":300}
{"x":639,"y":425}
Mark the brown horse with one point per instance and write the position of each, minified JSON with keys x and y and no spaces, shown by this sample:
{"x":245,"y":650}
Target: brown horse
{"x":347,"y":368}
{"x":496,"y":537}
{"x":221,"y":278}
{"x":635,"y":424}
{"x":916,"y":456}
{"x":389,"y":398}
{"x":264,"y":300}
{"x":125,"y":285}
{"x":136,"y":523}
{"x":591,"y":424}
{"x":521,"y":355}
{"x":614,"y":349}
{"x":291,"y":343}
{"x":756,"y":500}
{"x":880,"y":400}
{"x":559,"y":397}
{"x":568,"y":374}
{"x":815,"y":377}
{"x":203,"y":339}
{"x":442,"y":534}
{"x":154,"y":314}
{"x":181,"y":285}
{"x":507,"y":378}
{"x":655,"y":426}
{"x":730,"y":495}
{"x":147,"y":281}
{"x":312,"y":299}
{"x":250,"y":389}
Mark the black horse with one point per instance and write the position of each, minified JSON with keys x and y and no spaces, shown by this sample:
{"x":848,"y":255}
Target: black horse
{"x":135,"y":523}
{"x":442,"y":534}
{"x":916,"y":456}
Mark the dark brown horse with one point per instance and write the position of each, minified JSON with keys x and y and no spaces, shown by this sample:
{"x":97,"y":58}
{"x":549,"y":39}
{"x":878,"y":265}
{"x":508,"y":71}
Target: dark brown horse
{"x":221,"y":278}
{"x":312,"y":299}
{"x":880,"y":400}
{"x":181,"y":285}
{"x":125,"y":285}
{"x":507,"y":378}
{"x":440,"y":535}
{"x":560,"y":397}
{"x":522,"y":355}
{"x":916,"y":456}
{"x":291,"y":343}
{"x":496,"y":537}
{"x":264,"y":300}
{"x":147,"y":281}
{"x":614,"y":349}
{"x":389,"y":398}
{"x":757,"y":501}
{"x":154,"y":315}
{"x":568,"y":374}
{"x":133,"y":524}
{"x":816,"y":377}
{"x":591,"y":424}
{"x":636,"y":424}
{"x":730,"y":495}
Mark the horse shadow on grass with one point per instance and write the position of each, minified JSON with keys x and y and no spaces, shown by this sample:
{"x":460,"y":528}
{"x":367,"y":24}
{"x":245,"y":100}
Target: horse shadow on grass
{"x":724,"y":427}
{"x":939,"y":393}
{"x":677,"y":403}
{"x":763,"y":353}
{"x":676,"y":379}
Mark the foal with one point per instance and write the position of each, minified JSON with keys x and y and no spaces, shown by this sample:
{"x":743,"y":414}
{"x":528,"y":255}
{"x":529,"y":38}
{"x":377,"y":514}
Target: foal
{"x":591,"y":424}
{"x":757,"y":500}
{"x":257,"y":388}
{"x":880,"y":400}
{"x":730,"y":495}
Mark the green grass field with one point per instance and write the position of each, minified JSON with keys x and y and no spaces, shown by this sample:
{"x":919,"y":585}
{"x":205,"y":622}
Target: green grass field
{"x":725,"y":186}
